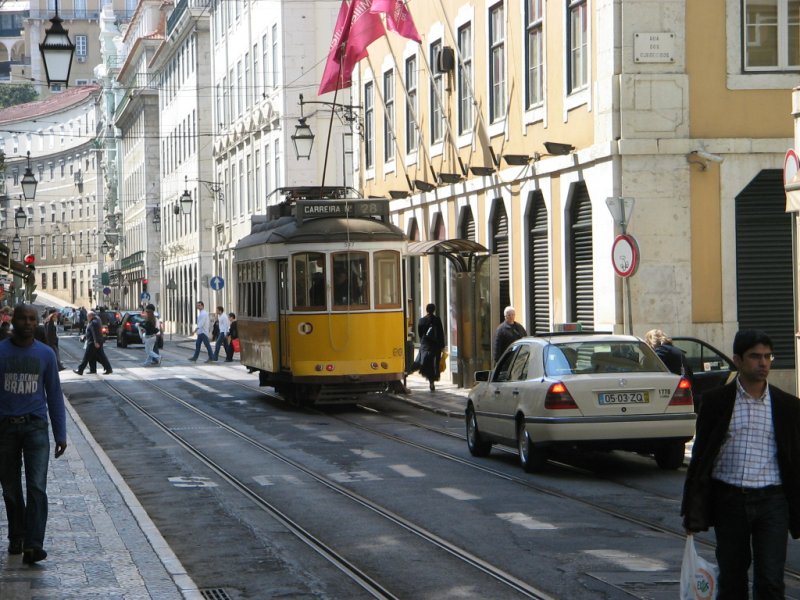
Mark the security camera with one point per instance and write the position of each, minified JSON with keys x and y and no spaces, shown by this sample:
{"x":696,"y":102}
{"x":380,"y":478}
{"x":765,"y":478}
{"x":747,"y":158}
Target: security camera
{"x":708,"y":156}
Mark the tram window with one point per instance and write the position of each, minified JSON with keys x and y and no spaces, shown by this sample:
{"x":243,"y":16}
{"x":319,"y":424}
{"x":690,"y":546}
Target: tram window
{"x":350,"y":280}
{"x":309,"y":281}
{"x":387,"y":279}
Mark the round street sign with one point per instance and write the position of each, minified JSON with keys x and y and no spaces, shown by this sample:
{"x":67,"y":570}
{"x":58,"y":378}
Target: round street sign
{"x":107,"y":291}
{"x":625,"y":255}
{"x":217,"y":283}
{"x":144,"y":296}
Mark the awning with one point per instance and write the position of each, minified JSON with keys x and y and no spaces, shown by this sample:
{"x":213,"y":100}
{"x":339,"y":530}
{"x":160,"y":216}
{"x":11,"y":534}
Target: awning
{"x":459,"y":252}
{"x":443,"y":247}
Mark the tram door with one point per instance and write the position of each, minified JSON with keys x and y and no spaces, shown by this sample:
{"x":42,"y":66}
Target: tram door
{"x":473,"y":306}
{"x":283,"y":318}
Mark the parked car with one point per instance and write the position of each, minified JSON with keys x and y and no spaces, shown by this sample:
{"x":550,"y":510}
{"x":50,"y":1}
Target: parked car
{"x":588,"y":390}
{"x":710,"y":367}
{"x":128,"y":332}
{"x":68,"y":317}
{"x":110,"y":320}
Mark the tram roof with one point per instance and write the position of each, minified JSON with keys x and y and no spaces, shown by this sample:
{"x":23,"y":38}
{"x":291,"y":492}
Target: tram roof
{"x":444,"y":247}
{"x":286,"y":230}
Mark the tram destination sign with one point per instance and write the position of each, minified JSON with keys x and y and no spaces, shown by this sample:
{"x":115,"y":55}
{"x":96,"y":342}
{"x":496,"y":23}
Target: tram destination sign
{"x":316,"y":209}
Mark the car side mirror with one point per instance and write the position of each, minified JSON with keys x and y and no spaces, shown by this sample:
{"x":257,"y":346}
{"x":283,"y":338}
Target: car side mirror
{"x":482,"y":375}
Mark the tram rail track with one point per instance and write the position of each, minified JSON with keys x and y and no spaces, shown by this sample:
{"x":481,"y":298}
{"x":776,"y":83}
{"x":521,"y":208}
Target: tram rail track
{"x":346,"y":566}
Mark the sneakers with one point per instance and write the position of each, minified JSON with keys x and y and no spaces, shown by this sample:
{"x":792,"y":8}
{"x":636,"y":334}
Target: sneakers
{"x":33,"y":555}
{"x":15,"y":546}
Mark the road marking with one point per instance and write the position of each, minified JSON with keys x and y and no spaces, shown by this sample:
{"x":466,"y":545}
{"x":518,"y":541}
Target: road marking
{"x":407,"y":471}
{"x":526,"y":521}
{"x":352,"y":476}
{"x":191,"y":482}
{"x":331,"y":437}
{"x":632,"y":562}
{"x":203,"y":386}
{"x":303,"y":427}
{"x":266,"y":480}
{"x":457,"y":494}
{"x":365,"y":453}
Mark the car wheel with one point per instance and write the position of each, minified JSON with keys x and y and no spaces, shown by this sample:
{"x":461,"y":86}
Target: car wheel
{"x":669,"y":456}
{"x":531,"y":458}
{"x":475,"y":442}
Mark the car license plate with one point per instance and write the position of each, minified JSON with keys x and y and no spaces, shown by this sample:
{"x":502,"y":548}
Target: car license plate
{"x":624,"y":397}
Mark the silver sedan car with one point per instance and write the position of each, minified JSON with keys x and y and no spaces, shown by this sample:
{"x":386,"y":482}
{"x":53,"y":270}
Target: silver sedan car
{"x":591,"y":390}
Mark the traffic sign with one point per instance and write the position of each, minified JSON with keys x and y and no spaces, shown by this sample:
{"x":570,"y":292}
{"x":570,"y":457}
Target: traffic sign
{"x":621,"y":210}
{"x":217,"y":283}
{"x":144,"y":296}
{"x":625,"y":255}
{"x":107,"y":291}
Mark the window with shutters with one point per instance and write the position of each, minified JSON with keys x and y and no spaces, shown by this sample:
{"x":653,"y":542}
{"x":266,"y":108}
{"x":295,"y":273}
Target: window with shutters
{"x":579,"y":263}
{"x":500,"y":247}
{"x":764,"y":292}
{"x":538,"y":266}
{"x":466,"y":230}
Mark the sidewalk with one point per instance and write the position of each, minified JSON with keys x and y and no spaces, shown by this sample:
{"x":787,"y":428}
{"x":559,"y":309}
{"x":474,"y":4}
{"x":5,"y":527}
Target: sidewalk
{"x":100,"y":542}
{"x":448,"y":399}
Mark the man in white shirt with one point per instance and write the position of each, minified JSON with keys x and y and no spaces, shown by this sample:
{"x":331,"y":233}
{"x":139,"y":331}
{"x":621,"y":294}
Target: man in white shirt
{"x":202,"y":329}
{"x":222,"y":338}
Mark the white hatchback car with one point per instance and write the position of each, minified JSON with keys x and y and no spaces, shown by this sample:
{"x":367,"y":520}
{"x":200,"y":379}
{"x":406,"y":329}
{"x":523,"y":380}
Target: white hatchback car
{"x":595,"y":390}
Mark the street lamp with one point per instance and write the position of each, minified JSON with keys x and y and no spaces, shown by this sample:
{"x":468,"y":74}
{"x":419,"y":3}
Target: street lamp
{"x":157,"y":218}
{"x":186,"y":197}
{"x":15,"y":243}
{"x":303,"y":138}
{"x":104,"y":247}
{"x":29,"y":182}
{"x":57,"y":50}
{"x":20,"y":218}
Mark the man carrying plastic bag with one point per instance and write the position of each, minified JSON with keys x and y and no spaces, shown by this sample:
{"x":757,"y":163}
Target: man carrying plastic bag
{"x":698,"y":576}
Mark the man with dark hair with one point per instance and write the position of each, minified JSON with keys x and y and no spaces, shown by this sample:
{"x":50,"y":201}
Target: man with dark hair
{"x":744,"y":476}
{"x":30,"y":392}
{"x":94,"y":352}
{"x":202,"y":330}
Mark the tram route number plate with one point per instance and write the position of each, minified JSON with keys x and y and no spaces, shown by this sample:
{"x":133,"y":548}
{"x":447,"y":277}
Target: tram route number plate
{"x":313,"y":209}
{"x":623,"y":398}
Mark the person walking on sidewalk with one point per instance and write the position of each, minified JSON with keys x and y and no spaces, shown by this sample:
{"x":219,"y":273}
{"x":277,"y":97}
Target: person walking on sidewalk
{"x":744,"y":476}
{"x":233,"y":335}
{"x":431,"y":334}
{"x":94,"y":346}
{"x":223,"y":337}
{"x":202,"y":329}
{"x":148,"y":331}
{"x":51,"y":335}
{"x":508,"y":332}
{"x":30,"y":392}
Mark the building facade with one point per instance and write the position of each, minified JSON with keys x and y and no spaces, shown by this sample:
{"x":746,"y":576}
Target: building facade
{"x":520,"y":118}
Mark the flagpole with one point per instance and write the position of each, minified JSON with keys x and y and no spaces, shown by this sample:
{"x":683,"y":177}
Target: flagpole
{"x":330,"y":122}
{"x":420,"y":137}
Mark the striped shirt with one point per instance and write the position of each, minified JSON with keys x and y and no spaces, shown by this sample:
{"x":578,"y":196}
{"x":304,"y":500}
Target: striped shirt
{"x":748,"y":456}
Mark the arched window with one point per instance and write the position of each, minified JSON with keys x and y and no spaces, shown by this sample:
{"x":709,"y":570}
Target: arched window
{"x":500,"y":242}
{"x":538,"y":266}
{"x":580,"y":263}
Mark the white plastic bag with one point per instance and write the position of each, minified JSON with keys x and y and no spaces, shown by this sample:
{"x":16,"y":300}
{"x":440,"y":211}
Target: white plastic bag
{"x":698,"y":576}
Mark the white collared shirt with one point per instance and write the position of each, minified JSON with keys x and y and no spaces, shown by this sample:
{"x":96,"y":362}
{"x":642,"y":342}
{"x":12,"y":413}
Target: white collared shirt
{"x":224,"y":324}
{"x":202,"y":322}
{"x":749,"y":455}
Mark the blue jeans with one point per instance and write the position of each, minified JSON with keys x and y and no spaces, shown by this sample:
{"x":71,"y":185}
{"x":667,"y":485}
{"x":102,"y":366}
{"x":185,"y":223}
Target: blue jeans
{"x":750,"y":525}
{"x":221,"y":341}
{"x":202,"y":339}
{"x":27,"y":516}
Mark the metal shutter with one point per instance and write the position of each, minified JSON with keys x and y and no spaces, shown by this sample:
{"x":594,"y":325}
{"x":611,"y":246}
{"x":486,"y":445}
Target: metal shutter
{"x":468,"y":226}
{"x":500,"y":247}
{"x":538,"y":267}
{"x":764,"y":263}
{"x":581,"y":274}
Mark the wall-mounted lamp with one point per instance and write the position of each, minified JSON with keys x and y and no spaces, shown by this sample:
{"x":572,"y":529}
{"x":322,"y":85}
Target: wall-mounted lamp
{"x":29,"y":182}
{"x":517,"y":160}
{"x":701,"y":158}
{"x":398,"y":194}
{"x":157,"y":218}
{"x":104,"y":247}
{"x":423,"y":186}
{"x":186,"y":198}
{"x":558,"y":148}
{"x":450,"y":177}
{"x":482,"y":171}
{"x":57,"y":51}
{"x":15,"y":243}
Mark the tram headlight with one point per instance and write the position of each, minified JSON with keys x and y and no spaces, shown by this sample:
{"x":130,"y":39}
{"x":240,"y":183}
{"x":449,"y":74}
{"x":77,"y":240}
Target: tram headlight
{"x":384,"y":365}
{"x":373,"y":366}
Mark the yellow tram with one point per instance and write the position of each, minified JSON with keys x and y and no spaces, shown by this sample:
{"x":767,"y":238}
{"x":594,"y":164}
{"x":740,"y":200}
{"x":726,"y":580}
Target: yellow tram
{"x":320,"y":299}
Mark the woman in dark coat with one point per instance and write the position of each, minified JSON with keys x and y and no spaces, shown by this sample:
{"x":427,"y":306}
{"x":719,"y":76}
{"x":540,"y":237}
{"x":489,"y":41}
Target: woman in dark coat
{"x":431,"y":335}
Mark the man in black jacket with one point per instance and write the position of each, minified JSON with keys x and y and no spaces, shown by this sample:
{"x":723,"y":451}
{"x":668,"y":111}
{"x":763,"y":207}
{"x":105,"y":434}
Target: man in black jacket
{"x":744,"y":476}
{"x":508,"y":332}
{"x":94,"y":346}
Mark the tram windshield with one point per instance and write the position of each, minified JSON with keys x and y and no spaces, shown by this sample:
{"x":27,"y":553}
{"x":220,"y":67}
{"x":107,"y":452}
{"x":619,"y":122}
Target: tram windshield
{"x":344,"y":281}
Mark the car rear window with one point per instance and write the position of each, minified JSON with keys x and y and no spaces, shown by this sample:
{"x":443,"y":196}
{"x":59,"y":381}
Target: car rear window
{"x":600,"y":357}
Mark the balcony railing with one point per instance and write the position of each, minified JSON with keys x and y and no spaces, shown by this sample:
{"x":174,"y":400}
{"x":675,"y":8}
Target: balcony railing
{"x":181,"y":7}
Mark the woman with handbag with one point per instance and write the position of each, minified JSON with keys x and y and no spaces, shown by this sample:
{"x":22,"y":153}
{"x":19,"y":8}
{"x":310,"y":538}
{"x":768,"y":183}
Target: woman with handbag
{"x":431,"y":333}
{"x":233,"y":336}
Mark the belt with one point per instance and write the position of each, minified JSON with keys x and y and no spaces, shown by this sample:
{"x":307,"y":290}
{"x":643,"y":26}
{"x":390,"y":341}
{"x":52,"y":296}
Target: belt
{"x":19,"y":420}
{"x":766,"y":490}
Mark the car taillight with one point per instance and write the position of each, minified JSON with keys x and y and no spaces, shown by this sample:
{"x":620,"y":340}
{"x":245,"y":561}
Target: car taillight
{"x":683,"y":394}
{"x":128,"y":326}
{"x":558,"y":397}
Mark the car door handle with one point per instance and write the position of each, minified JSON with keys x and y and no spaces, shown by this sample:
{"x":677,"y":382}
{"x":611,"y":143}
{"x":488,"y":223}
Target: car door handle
{"x":515,"y":393}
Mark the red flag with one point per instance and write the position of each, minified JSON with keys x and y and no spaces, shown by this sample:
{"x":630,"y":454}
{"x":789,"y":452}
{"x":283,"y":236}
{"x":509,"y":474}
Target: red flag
{"x":356,"y":28}
{"x":398,"y":19}
{"x":331,"y":79}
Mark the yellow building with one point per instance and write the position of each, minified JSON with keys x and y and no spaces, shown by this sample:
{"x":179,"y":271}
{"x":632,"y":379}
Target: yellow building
{"x":517,"y":119}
